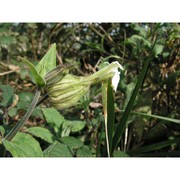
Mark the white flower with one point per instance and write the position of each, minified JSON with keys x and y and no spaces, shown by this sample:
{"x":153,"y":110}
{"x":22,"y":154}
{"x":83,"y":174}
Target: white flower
{"x":116,"y":77}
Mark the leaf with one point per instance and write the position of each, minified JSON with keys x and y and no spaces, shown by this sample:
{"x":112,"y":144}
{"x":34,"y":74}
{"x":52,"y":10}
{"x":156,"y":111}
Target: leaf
{"x":156,"y":116}
{"x":36,"y":75}
{"x":154,"y":147}
{"x":75,"y":125}
{"x":2,"y":131}
{"x":53,"y":117}
{"x":135,"y":38}
{"x":25,"y":99}
{"x":84,"y":152}
{"x":12,"y":112}
{"x":48,"y":62}
{"x":158,"y":49}
{"x":7,"y":95}
{"x":37,"y":113}
{"x":120,"y":154}
{"x":72,"y":142}
{"x":42,"y":133}
{"x":141,"y":30}
{"x":94,"y":46}
{"x":57,"y":150}
{"x":26,"y":96}
{"x":23,"y":145}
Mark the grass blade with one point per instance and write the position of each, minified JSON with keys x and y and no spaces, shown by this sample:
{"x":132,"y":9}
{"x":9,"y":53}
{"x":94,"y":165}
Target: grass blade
{"x":157,"y":117}
{"x":154,"y":147}
{"x":161,"y":154}
{"x":122,"y":124}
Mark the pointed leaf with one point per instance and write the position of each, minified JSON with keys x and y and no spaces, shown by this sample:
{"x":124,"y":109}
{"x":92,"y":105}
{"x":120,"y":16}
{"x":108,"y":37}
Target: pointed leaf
{"x":48,"y":62}
{"x":75,"y":125}
{"x":7,"y":95}
{"x":37,"y":77}
{"x":42,"y":133}
{"x":57,"y":150}
{"x":23,"y":145}
{"x":2,"y":130}
{"x":53,"y":117}
{"x":158,"y":49}
{"x":135,"y":38}
{"x":153,"y":147}
{"x":72,"y":142}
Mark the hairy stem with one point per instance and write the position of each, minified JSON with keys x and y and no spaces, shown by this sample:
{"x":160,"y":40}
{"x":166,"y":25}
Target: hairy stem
{"x":21,"y":123}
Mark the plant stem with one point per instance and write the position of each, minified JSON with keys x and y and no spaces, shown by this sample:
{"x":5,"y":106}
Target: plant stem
{"x":21,"y":123}
{"x":42,"y":99}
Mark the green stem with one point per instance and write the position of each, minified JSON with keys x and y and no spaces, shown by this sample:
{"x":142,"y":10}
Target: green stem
{"x":21,"y":123}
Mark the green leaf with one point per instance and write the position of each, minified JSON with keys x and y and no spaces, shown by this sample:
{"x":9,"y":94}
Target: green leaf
{"x":159,"y":117}
{"x":154,"y":147}
{"x":158,"y":49}
{"x":135,"y":38}
{"x":25,"y":99}
{"x":12,"y":112}
{"x":84,"y":152}
{"x":57,"y":150}
{"x":36,"y":75}
{"x":141,"y":30}
{"x":72,"y":142}
{"x":2,"y":131}
{"x":155,"y":116}
{"x":53,"y":117}
{"x":23,"y":145}
{"x":48,"y":62}
{"x":37,"y":113}
{"x":7,"y":95}
{"x":42,"y":133}
{"x":120,"y":154}
{"x":75,"y":125}
{"x":94,"y":46}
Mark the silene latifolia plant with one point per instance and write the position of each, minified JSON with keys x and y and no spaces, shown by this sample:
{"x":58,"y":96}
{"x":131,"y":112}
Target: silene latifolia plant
{"x":64,"y":90}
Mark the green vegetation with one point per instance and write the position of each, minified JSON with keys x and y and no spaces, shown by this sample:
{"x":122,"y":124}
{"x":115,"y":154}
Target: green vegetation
{"x":57,"y":97}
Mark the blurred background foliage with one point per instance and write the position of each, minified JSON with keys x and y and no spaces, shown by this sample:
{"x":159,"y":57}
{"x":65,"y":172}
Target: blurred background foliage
{"x":86,"y":45}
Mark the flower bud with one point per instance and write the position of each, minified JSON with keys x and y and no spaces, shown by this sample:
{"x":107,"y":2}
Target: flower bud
{"x":67,"y":91}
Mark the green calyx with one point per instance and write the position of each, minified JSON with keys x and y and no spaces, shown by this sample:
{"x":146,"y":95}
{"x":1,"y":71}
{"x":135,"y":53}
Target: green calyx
{"x":67,"y":91}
